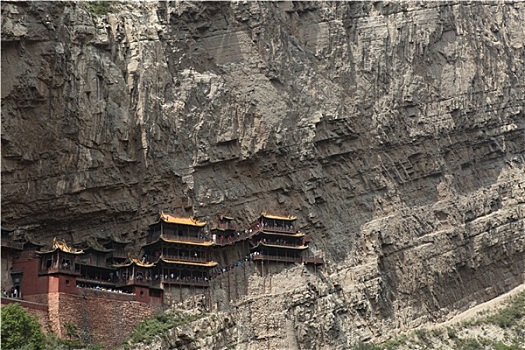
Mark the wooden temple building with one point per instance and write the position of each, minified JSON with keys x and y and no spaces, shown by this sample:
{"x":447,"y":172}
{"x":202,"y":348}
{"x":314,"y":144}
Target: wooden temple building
{"x":178,"y":252}
{"x":276,"y":238}
{"x":225,"y":231}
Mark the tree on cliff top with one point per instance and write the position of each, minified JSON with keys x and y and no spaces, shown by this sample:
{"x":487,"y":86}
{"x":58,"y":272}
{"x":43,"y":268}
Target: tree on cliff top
{"x":20,"y":330}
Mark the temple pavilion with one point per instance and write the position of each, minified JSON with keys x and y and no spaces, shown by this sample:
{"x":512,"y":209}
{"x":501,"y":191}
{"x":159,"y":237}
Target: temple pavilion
{"x":93,"y":265}
{"x":181,"y":251}
{"x":134,"y":272}
{"x":225,"y":231}
{"x":61,"y":259}
{"x":117,"y":247}
{"x":275,"y":238}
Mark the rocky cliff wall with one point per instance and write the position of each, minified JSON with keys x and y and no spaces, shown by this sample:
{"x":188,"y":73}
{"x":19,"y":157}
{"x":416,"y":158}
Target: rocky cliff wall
{"x":394,"y":131}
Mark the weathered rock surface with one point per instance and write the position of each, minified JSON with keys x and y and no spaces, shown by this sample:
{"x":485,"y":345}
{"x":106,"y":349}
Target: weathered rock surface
{"x":395,"y":131}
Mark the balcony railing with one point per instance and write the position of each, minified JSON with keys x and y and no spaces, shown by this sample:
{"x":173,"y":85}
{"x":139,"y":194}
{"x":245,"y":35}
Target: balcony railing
{"x":265,"y":257}
{"x":185,"y":258}
{"x":279,"y":229}
{"x":59,"y":269}
{"x":258,"y":227}
{"x":226,"y":226}
{"x":187,"y":238}
{"x":283,"y":244}
{"x":97,"y":281}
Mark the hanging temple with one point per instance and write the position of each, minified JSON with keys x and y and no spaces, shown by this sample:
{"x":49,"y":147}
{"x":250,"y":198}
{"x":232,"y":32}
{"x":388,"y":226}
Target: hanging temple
{"x":178,"y":252}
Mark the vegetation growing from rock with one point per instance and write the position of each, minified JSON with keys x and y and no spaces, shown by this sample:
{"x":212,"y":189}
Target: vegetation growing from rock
{"x":476,"y":334}
{"x":160,"y":323}
{"x":100,"y":8}
{"x":509,"y":316}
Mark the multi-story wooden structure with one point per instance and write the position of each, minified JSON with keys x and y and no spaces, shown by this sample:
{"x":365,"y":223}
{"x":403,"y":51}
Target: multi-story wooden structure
{"x":47,"y":270}
{"x":179,"y":257}
{"x":117,"y":246}
{"x":60,"y":259}
{"x":275,"y":238}
{"x":93,"y":265}
{"x":225,"y":231}
{"x":181,"y":251}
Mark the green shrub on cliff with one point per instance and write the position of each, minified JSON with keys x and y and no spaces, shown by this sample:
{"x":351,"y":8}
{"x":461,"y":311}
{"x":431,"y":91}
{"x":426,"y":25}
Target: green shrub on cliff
{"x":20,"y":330}
{"x":160,"y":323}
{"x":99,"y":8}
{"x":510,"y":315}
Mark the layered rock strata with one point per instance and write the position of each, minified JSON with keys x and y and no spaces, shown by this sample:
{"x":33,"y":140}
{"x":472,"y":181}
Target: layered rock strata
{"x":394,"y":131}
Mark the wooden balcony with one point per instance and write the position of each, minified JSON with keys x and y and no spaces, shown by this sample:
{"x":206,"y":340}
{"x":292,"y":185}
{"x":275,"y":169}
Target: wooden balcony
{"x":282,"y":244}
{"x":279,"y":258}
{"x":226,"y":226}
{"x":185,"y":258}
{"x":271,"y":245}
{"x":257,"y":227}
{"x":188,"y":239}
{"x":95,"y":281}
{"x":59,"y":270}
{"x":279,"y":229}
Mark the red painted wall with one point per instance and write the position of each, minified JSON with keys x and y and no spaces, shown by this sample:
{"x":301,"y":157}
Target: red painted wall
{"x":32,"y":283}
{"x":63,"y":283}
{"x":141,"y":294}
{"x":104,"y":317}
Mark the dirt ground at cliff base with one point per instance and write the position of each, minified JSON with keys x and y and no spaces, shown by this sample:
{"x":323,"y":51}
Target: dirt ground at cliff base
{"x":489,"y":306}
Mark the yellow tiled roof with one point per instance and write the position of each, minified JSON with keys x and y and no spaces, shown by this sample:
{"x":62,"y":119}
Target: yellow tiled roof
{"x":195,"y":263}
{"x":277,"y":217}
{"x":135,"y":261}
{"x":181,"y":221}
{"x":301,"y":247}
{"x":63,"y":247}
{"x":285,"y":234}
{"x":182,"y":241}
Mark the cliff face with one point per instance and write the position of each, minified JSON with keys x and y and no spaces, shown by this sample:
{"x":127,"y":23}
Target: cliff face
{"x":394,"y":131}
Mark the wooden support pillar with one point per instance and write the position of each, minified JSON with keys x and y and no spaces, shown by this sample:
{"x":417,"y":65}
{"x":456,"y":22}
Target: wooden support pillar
{"x":229,"y":291}
{"x":263,"y":276}
{"x":208,"y":304}
{"x":236,"y":288}
{"x":245,"y":281}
